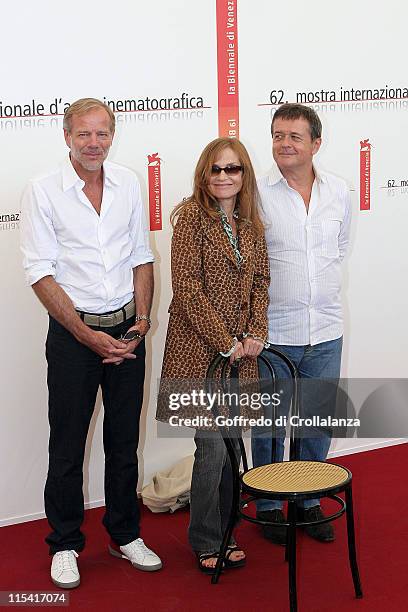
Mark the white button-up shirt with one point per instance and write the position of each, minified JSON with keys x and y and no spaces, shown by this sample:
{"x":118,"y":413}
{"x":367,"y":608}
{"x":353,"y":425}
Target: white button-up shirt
{"x":90,"y":256}
{"x":305,"y":252}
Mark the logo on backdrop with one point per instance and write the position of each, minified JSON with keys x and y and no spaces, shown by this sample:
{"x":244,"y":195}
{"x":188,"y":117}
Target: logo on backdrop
{"x":9,"y":221}
{"x":227,"y":65}
{"x":365,"y":174}
{"x":155,"y":205}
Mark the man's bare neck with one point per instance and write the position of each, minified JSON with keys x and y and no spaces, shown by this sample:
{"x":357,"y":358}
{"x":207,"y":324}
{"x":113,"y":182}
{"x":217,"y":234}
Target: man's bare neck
{"x":91,"y":178}
{"x":300,"y":180}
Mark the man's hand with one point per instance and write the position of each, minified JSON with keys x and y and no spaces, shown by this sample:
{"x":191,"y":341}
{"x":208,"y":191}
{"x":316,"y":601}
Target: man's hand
{"x":126,"y":348}
{"x":252,"y":347}
{"x":110,"y":349}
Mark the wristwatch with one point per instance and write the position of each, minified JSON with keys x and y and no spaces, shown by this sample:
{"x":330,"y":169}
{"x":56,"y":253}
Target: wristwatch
{"x":141,"y":317}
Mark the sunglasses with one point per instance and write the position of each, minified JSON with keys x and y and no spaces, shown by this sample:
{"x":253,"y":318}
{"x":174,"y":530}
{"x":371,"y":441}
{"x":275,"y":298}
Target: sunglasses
{"x":231,"y":170}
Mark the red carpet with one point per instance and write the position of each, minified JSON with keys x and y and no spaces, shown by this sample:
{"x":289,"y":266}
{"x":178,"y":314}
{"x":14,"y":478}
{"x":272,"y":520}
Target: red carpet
{"x":324,"y":580}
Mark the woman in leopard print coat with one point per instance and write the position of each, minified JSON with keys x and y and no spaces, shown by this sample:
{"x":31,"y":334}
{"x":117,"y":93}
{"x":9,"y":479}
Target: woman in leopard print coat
{"x":220,"y":278}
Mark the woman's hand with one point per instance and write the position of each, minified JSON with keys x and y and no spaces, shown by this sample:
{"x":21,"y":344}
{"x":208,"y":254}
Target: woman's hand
{"x":238,"y":352}
{"x":252,"y":347}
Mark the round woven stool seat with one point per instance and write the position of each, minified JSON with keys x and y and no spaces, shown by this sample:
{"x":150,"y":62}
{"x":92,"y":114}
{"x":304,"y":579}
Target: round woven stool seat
{"x":296,"y":477}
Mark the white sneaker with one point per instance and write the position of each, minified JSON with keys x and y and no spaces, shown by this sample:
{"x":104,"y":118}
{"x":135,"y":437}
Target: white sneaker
{"x":64,"y":569}
{"x":138,"y":554}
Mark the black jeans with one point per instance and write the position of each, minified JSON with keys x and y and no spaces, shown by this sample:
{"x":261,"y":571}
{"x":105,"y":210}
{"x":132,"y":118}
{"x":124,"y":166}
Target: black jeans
{"x":74,"y":376}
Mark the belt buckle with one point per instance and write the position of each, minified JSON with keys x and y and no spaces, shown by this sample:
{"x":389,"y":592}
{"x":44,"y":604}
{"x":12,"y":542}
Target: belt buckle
{"x":112,"y":319}
{"x":106,"y":320}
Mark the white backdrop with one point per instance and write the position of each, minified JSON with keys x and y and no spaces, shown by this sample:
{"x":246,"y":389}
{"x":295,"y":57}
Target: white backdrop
{"x":160,"y":51}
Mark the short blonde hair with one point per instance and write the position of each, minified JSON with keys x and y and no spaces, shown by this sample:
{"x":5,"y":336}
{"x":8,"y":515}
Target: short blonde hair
{"x":84,"y":105}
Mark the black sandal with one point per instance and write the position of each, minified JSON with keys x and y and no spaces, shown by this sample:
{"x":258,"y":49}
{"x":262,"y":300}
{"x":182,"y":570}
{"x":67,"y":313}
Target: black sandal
{"x":229,"y":564}
{"x":202,"y":557}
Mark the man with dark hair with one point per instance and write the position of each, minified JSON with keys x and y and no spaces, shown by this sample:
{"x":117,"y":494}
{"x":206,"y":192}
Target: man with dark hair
{"x":307,"y":221}
{"x":291,"y":112}
{"x":87,"y":257}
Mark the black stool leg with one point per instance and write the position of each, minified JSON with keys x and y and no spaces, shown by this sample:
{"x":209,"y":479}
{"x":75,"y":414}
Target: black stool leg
{"x":352,"y":542}
{"x":224,"y":546}
{"x":291,"y":555}
{"x":287,"y":539}
{"x":236,"y":490}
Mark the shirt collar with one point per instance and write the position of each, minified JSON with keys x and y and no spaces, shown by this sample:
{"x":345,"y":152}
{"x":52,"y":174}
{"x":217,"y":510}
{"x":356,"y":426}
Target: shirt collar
{"x":70,"y":178}
{"x":110,"y":174}
{"x":275,"y":175}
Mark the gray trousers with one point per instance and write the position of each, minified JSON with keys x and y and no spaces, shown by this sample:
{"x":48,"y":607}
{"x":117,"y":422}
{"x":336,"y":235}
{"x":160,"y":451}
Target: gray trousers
{"x":211,"y":492}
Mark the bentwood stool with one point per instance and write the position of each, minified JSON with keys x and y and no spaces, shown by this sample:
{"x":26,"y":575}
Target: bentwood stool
{"x":291,"y":481}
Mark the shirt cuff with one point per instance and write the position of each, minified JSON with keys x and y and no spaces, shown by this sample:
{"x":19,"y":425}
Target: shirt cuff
{"x":140,"y":260}
{"x":36,"y":273}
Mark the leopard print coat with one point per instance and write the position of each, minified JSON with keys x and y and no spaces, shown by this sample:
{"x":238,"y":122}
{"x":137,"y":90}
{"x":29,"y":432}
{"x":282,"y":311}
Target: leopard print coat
{"x":213,"y":300}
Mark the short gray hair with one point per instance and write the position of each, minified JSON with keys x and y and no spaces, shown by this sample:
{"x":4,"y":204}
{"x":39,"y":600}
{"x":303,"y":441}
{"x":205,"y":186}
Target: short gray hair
{"x":84,"y":105}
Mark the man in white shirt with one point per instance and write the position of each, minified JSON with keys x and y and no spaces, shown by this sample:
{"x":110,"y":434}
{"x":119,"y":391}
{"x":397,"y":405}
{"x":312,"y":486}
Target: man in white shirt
{"x":87,"y":257}
{"x":307,"y":221}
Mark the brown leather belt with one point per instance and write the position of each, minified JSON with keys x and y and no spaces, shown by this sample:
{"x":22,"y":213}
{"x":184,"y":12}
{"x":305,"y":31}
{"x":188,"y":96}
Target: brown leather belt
{"x":109,"y":319}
